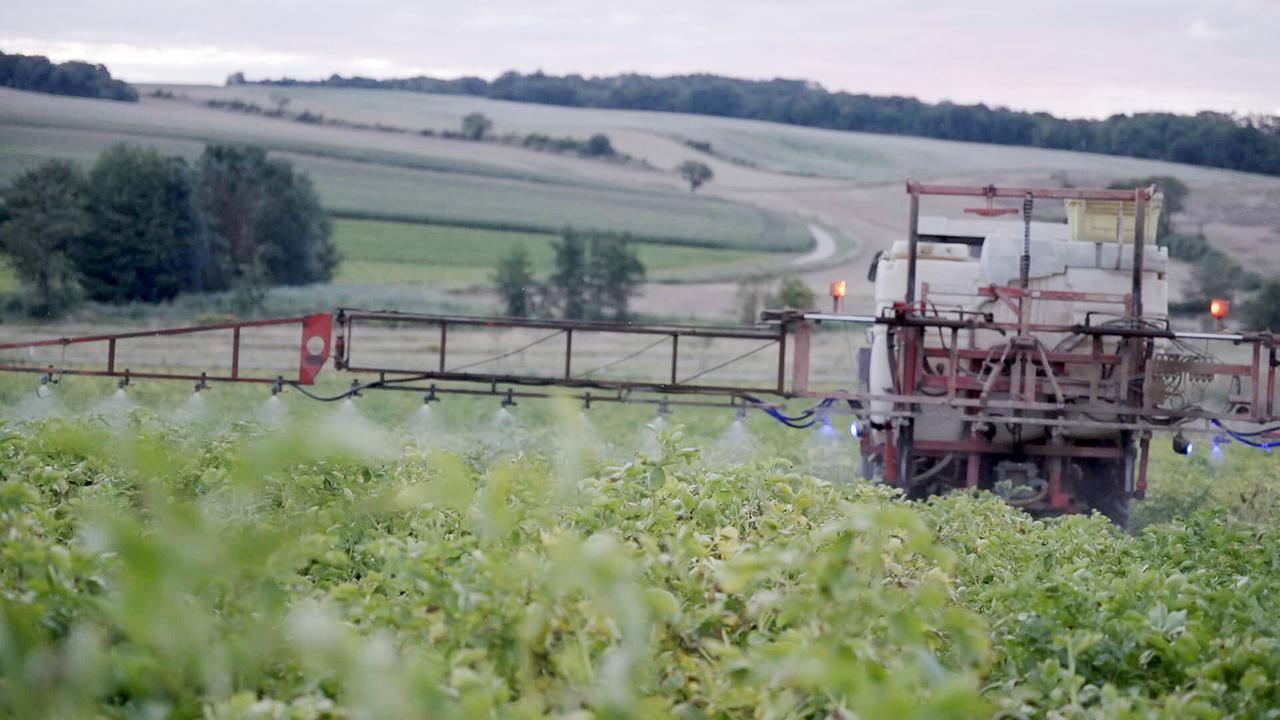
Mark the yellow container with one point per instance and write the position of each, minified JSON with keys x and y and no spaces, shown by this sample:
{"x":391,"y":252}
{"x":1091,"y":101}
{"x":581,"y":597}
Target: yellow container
{"x":1101,"y":221}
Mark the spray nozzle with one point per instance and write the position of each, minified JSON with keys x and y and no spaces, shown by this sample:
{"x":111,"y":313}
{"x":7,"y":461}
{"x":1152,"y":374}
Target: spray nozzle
{"x":664,"y":408}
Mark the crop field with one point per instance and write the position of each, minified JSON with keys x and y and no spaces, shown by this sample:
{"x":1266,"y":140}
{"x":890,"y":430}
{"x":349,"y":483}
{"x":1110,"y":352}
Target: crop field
{"x":226,"y":555}
{"x":375,"y":251}
{"x":406,"y":176}
{"x":850,"y":182}
{"x":771,"y":180}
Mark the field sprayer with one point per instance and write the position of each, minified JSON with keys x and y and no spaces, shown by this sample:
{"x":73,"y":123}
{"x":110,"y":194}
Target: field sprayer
{"x":1032,"y":358}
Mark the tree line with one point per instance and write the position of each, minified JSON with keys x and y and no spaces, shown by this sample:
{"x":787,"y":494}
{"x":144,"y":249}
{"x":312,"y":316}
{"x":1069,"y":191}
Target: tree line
{"x":1208,"y":138}
{"x":81,"y":79}
{"x":141,"y":226}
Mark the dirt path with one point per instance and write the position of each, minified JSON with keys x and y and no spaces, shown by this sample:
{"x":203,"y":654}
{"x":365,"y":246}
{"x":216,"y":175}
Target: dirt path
{"x":824,"y":246}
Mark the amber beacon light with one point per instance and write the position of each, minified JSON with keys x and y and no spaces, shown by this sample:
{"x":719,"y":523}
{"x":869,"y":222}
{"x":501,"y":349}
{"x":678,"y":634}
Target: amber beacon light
{"x":838,"y":289}
{"x":1218,"y":308}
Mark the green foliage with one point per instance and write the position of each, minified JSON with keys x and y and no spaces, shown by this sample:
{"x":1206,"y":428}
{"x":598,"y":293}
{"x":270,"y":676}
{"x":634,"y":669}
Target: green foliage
{"x":593,"y":278}
{"x":258,"y":576}
{"x":596,"y":146}
{"x":147,"y":239}
{"x":1187,"y":247}
{"x":144,"y":227}
{"x":695,"y":173}
{"x":515,"y":283}
{"x":147,"y":572}
{"x":42,"y":217}
{"x":614,"y":273}
{"x":567,"y":285}
{"x":1263,"y":310}
{"x":35,"y":72}
{"x":1089,"y":622}
{"x":792,"y":293}
{"x":476,"y":126}
{"x":266,"y":217}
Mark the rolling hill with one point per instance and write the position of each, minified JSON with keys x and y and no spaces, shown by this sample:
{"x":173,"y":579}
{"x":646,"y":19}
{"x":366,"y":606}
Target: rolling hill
{"x":770,"y":180}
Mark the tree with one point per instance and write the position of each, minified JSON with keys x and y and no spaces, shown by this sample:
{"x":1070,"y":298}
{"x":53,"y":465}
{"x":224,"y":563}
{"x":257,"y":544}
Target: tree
{"x":696,"y":173}
{"x":298,"y":240}
{"x":146,"y":239}
{"x":267,"y":221}
{"x":476,"y":126}
{"x":515,"y":283}
{"x":232,"y":198}
{"x":42,"y":217}
{"x":613,"y":274}
{"x":568,"y":282}
{"x":1263,"y":312}
{"x":793,"y":293}
{"x":750,"y":296}
{"x":36,"y":73}
{"x":598,"y":145}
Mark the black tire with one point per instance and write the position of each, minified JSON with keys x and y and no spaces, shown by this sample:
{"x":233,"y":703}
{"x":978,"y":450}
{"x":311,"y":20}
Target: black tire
{"x":1103,"y":491}
{"x":1114,"y":504}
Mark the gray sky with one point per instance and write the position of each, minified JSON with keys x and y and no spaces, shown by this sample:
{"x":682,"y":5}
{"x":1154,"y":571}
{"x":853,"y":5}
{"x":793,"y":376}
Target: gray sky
{"x":1071,"y":57}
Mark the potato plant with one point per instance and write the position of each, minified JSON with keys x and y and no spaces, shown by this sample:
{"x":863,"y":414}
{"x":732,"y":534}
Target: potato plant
{"x":265,"y":574}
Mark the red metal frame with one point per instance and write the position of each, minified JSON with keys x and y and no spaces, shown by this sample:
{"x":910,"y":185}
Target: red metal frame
{"x":314,"y":346}
{"x":675,"y":382}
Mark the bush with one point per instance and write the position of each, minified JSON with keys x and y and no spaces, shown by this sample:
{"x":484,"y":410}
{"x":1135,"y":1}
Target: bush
{"x":1263,"y":311}
{"x":42,"y":218}
{"x":1187,"y":247}
{"x":792,"y":294}
{"x":267,"y":218}
{"x":147,"y":238}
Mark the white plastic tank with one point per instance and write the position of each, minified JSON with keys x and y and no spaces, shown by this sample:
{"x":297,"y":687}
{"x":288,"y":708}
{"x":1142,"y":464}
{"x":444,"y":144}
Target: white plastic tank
{"x":948,"y":278}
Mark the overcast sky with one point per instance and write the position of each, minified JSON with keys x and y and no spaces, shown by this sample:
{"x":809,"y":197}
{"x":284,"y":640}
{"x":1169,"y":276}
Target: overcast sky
{"x":1071,"y":57}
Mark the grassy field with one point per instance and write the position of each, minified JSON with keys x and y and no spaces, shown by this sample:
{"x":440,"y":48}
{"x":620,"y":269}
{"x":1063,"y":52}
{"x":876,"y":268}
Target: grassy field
{"x":769,"y":146}
{"x":389,"y":252}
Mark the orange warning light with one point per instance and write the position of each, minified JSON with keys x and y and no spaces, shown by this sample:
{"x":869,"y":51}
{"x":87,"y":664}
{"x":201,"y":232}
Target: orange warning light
{"x":1219,"y":307}
{"x":838,"y":289}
